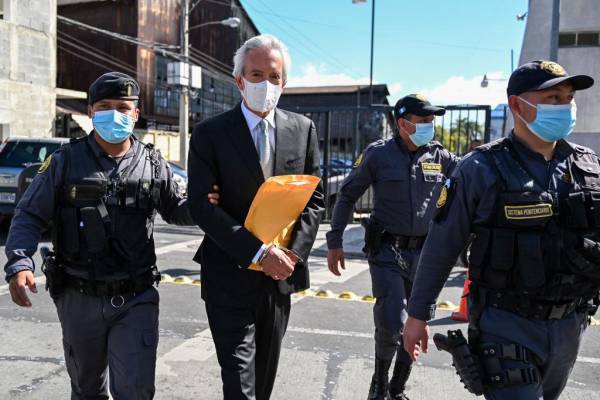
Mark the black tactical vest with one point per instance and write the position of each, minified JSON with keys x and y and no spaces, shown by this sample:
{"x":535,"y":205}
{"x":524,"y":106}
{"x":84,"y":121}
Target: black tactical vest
{"x":522,"y":249}
{"x":104,"y":224}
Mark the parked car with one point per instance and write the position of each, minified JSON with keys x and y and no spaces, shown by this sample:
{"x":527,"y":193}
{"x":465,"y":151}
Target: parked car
{"x":16,"y":154}
{"x":179,"y":176}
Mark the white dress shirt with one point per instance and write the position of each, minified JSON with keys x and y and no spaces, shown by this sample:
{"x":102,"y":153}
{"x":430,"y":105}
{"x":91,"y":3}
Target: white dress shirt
{"x":253,"y":122}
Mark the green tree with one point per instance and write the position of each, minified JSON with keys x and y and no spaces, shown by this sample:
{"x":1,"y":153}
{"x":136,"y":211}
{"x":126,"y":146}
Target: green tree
{"x":458,"y":138}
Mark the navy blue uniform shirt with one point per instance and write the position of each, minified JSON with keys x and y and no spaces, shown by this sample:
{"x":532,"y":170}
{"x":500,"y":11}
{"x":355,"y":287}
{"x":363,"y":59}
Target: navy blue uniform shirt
{"x":36,"y":208}
{"x":476,"y":190}
{"x":405,"y":187}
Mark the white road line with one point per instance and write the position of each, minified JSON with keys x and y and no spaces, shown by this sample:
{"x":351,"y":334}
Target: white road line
{"x":198,"y":348}
{"x":41,"y":280}
{"x":176,"y":246}
{"x":330,"y":332}
{"x":590,"y":360}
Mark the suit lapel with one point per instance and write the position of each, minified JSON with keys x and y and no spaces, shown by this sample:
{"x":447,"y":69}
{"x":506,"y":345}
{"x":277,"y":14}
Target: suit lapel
{"x":284,"y":140}
{"x":240,"y":136}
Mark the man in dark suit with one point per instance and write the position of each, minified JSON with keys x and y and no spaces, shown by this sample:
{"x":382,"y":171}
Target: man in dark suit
{"x":247,"y":310}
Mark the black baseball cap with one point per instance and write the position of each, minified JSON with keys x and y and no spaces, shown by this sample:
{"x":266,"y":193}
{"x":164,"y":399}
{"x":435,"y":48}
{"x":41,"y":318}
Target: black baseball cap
{"x":416,"y":104}
{"x":540,"y":75}
{"x":114,"y":85}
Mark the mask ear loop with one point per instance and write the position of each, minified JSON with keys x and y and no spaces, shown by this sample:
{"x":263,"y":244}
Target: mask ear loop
{"x":529,"y":104}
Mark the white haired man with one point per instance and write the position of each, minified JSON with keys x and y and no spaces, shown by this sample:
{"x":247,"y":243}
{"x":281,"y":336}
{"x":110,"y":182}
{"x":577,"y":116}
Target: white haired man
{"x":238,"y":150}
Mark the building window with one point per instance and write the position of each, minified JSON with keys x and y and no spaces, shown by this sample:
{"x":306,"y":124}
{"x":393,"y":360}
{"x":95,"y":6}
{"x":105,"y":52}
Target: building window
{"x":166,"y":98}
{"x":587,"y":39}
{"x":567,"y":39}
{"x":579,"y":39}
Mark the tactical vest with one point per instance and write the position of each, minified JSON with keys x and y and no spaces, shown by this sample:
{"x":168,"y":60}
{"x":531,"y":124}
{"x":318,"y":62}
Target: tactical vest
{"x":524,"y":247}
{"x":104,"y":224}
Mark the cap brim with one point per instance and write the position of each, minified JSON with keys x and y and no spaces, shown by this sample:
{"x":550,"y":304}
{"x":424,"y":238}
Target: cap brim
{"x":579,"y":82}
{"x":430,"y":110}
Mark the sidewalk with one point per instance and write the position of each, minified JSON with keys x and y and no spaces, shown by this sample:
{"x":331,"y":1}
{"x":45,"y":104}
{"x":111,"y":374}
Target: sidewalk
{"x":353,"y":241}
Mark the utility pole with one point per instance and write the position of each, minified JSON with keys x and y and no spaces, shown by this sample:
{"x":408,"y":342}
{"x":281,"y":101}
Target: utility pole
{"x":372,"y":46}
{"x":554,"y":30}
{"x":184,"y":95}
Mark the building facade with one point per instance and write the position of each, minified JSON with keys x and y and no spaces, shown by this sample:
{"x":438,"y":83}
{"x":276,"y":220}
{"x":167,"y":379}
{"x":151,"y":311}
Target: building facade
{"x":84,"y":54}
{"x":27,"y":67}
{"x":578,"y":52}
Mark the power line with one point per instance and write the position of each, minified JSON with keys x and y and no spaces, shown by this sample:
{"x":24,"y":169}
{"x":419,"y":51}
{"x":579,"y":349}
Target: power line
{"x":156,"y":46}
{"x":91,"y":53}
{"x":74,"y":40}
{"x":221,"y":65}
{"x":304,"y":40}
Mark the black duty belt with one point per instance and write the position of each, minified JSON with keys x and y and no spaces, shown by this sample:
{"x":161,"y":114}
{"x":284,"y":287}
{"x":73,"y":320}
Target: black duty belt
{"x":403,"y":242}
{"x":113,"y":288}
{"x":533,"y":309}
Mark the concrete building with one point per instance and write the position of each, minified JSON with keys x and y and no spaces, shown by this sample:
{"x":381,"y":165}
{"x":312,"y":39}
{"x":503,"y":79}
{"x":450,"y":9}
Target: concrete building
{"x":578,"y":52}
{"x":27,"y":67}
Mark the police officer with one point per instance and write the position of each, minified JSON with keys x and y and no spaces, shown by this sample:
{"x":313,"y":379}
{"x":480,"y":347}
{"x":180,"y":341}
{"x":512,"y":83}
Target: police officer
{"x":100,"y":194}
{"x":531,"y":200}
{"x":406,"y":172}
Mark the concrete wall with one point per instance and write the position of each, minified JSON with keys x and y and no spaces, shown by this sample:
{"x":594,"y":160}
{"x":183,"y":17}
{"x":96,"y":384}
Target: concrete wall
{"x":581,"y":16}
{"x":536,"y":40}
{"x":575,"y":16}
{"x":27,"y":68}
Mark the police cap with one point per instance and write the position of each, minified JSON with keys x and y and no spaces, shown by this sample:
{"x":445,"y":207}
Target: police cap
{"x":114,"y":85}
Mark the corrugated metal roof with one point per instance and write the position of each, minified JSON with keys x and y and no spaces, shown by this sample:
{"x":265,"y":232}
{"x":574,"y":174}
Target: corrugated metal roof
{"x":334,"y":89}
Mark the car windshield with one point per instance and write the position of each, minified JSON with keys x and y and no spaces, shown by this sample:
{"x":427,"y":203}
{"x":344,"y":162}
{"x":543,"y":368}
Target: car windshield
{"x":22,"y":153}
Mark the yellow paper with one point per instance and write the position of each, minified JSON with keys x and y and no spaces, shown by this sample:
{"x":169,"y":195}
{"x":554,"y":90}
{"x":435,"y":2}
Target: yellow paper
{"x":277,"y":207}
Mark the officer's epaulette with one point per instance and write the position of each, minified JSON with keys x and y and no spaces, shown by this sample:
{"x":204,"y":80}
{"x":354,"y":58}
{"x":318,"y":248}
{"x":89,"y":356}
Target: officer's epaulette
{"x":582,"y":149}
{"x":77,"y":140}
{"x":435,"y":144}
{"x":371,"y":146}
{"x":495,"y":145}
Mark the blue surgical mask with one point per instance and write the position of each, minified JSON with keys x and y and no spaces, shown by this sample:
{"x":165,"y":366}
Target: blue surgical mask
{"x":553,"y":121}
{"x":423,"y":134}
{"x":113,"y":126}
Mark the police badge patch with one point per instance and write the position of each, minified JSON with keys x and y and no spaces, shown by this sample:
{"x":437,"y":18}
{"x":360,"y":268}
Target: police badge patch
{"x":45,"y":165}
{"x":553,"y":68}
{"x":358,"y":161}
{"x":445,"y":199}
{"x":441,"y":202}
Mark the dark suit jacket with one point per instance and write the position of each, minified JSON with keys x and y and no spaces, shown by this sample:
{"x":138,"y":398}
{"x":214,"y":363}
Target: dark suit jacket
{"x":222,"y":153}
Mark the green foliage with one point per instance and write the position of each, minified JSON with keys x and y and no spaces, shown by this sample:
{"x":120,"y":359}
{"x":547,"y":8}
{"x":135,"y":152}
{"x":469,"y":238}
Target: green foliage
{"x":458,"y":138}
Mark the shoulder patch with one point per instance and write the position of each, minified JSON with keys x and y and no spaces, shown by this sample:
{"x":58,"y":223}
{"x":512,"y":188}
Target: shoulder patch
{"x":45,"y":165}
{"x":359,"y":160}
{"x":444,"y":200}
{"x":441,"y":201}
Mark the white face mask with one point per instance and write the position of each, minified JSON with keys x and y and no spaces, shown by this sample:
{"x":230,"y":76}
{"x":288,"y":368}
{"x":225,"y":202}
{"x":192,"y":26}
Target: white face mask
{"x":262,"y":96}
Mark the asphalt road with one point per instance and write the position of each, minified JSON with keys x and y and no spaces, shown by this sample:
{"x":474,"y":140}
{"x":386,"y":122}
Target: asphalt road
{"x":327,"y":352}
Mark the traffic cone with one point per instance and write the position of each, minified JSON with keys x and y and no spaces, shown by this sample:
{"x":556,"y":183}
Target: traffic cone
{"x":461,"y":314}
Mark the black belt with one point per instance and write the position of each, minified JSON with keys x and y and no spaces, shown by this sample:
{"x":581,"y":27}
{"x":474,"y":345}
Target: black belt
{"x":533,"y":309}
{"x":113,"y":288}
{"x":403,"y":242}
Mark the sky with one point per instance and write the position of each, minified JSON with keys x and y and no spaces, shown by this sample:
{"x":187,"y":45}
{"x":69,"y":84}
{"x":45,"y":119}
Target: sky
{"x":440,"y":48}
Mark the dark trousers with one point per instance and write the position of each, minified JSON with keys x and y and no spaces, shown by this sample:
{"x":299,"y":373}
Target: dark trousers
{"x":101,"y":340}
{"x":391,"y":271}
{"x":248,"y":343}
{"x":554,"y":342}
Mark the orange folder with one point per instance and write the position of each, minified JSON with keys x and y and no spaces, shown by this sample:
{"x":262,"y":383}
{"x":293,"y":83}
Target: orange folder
{"x":277,"y":207}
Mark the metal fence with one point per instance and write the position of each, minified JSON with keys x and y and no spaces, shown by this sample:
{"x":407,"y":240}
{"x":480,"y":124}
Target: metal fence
{"x":344,"y":132}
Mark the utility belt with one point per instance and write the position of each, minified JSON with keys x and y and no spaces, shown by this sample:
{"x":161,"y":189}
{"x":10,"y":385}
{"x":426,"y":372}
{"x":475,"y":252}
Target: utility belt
{"x":535,"y":309}
{"x":57,"y":279}
{"x":120,"y":287}
{"x":403,"y":242}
